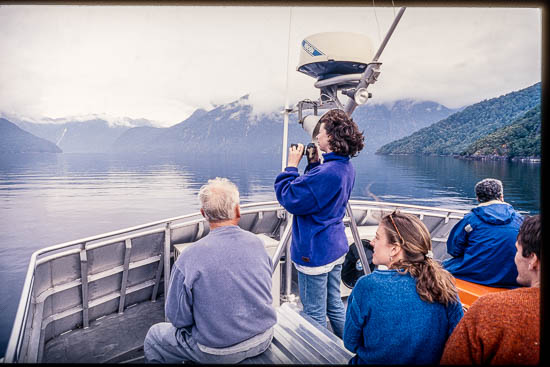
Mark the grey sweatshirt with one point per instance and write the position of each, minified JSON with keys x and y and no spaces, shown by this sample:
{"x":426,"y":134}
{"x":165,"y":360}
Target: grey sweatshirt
{"x":221,"y":287}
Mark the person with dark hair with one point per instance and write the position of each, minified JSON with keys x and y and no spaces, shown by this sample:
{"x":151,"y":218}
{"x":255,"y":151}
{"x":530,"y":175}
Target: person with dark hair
{"x":504,"y":328}
{"x":318,"y":200}
{"x":482,"y":243}
{"x":402,"y":315}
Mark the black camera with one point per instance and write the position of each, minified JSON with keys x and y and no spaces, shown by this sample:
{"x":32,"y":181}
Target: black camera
{"x":309,"y":150}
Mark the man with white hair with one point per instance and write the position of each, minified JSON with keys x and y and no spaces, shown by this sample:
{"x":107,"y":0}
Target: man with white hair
{"x":219,"y":301}
{"x":483,"y":242}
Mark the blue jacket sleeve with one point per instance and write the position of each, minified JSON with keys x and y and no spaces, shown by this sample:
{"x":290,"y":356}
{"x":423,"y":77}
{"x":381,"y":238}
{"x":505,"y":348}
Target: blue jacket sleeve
{"x":294,"y":193}
{"x":179,"y":303}
{"x":353,"y":327}
{"x":454,"y":314}
{"x":458,"y":238}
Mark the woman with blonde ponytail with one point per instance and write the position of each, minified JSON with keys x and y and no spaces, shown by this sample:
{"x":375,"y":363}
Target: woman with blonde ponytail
{"x":402,"y":315}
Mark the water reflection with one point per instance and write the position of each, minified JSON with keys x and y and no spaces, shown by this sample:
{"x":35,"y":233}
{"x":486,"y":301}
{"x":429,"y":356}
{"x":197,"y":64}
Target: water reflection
{"x":448,"y":181}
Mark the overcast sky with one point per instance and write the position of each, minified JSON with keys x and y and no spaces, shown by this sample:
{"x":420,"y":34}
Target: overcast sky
{"x":163,"y":62}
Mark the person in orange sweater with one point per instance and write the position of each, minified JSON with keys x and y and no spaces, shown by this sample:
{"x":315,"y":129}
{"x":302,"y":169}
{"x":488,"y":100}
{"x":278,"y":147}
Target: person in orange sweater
{"x":504,"y":327}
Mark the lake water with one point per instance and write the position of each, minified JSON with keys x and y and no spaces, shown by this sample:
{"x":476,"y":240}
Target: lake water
{"x":49,"y":199}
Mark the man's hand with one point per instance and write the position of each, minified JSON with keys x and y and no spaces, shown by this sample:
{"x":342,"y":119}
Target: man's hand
{"x":295,"y":155}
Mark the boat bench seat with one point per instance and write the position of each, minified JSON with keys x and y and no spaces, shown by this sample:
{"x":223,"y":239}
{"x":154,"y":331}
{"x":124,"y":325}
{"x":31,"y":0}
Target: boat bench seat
{"x":300,"y":340}
{"x":469,"y":292}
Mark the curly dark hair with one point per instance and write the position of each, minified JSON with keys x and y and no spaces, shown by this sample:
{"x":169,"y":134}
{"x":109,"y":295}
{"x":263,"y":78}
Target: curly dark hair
{"x":344,"y":135}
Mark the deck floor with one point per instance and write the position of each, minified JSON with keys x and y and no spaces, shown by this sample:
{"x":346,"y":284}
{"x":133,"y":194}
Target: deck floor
{"x":126,"y":334}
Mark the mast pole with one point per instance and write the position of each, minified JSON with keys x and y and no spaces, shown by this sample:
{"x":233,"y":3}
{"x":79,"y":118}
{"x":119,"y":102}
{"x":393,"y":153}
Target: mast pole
{"x":372,"y":68}
{"x":287,"y":110}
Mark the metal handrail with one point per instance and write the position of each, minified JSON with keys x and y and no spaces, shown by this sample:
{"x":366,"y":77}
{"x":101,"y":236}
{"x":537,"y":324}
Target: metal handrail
{"x":431,"y":208}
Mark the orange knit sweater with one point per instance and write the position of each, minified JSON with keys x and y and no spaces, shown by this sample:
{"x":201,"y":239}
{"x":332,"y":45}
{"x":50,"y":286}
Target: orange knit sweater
{"x":499,"y":328}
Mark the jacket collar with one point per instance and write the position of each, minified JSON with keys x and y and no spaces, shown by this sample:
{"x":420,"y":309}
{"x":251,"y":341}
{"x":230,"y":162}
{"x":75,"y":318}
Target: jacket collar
{"x":335,"y":157}
{"x":492,"y":202}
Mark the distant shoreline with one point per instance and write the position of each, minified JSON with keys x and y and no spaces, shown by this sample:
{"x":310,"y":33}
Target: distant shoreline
{"x":499,"y":158}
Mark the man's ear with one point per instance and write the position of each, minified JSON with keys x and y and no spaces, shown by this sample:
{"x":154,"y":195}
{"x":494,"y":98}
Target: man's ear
{"x":237,"y":211}
{"x":534,"y":262}
{"x":202,"y":213}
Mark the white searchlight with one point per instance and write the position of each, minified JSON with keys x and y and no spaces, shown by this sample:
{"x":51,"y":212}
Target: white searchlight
{"x":361,"y":96}
{"x":311,"y":125}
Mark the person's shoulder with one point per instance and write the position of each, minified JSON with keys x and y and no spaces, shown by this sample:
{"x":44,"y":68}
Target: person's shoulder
{"x":375,"y":278}
{"x":497,"y":300}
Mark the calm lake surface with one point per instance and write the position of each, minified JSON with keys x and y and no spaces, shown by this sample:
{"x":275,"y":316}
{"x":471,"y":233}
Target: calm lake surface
{"x":46,"y":199}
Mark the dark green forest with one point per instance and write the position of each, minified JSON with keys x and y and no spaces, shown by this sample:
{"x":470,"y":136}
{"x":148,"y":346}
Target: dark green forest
{"x":479,"y":128}
{"x":520,"y":139}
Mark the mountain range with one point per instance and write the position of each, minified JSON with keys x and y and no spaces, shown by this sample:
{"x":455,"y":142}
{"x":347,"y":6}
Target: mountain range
{"x":16,"y":140}
{"x":232,"y":127}
{"x":89,"y":135}
{"x":401,"y":127}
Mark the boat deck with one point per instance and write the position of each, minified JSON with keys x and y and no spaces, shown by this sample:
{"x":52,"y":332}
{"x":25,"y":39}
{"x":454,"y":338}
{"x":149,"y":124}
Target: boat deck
{"x":119,"y":338}
{"x":111,"y":339}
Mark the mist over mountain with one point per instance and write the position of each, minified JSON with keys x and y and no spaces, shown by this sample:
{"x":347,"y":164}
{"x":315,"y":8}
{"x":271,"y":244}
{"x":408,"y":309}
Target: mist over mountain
{"x":234,"y":128}
{"x":15,"y":140}
{"x":383,"y":123}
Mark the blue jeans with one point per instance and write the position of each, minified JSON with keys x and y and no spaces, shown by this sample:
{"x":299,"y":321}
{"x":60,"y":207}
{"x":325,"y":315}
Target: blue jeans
{"x":166,"y":344}
{"x":320,"y":296}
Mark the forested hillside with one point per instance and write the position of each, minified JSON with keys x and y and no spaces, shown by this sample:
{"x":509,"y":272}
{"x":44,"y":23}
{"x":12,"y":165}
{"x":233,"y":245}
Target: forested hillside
{"x":457,"y":132}
{"x":520,"y":139}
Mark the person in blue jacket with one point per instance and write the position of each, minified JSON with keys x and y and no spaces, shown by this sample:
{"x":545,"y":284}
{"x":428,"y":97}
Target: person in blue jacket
{"x":318,"y":200}
{"x":482,"y":244}
{"x":405,"y":313}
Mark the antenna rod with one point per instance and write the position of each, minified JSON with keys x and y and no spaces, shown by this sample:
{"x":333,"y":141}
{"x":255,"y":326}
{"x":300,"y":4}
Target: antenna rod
{"x":389,"y":34}
{"x":351,"y":105}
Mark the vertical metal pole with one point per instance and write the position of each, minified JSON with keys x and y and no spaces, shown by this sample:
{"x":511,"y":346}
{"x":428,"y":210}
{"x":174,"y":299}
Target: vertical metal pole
{"x":357,"y":240}
{"x":166,"y":261}
{"x":288,"y":267}
{"x":285,"y":138}
{"x":84,"y":285}
{"x":285,"y":124}
{"x":283,"y":243}
{"x":124,"y":282}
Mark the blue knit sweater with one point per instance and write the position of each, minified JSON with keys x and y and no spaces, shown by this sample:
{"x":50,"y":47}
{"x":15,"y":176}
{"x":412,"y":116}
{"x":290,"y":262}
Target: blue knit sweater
{"x":388,"y":323}
{"x":318,"y":201}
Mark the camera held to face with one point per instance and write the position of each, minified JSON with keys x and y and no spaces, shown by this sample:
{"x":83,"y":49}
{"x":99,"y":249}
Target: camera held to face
{"x":310,"y":151}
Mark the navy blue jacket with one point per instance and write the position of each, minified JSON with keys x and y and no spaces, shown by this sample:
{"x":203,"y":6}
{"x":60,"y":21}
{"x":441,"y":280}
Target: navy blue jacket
{"x":483,"y":246}
{"x":318,"y":201}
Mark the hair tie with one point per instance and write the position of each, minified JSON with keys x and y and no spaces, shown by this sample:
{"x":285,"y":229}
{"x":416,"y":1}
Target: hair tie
{"x":429,"y":255}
